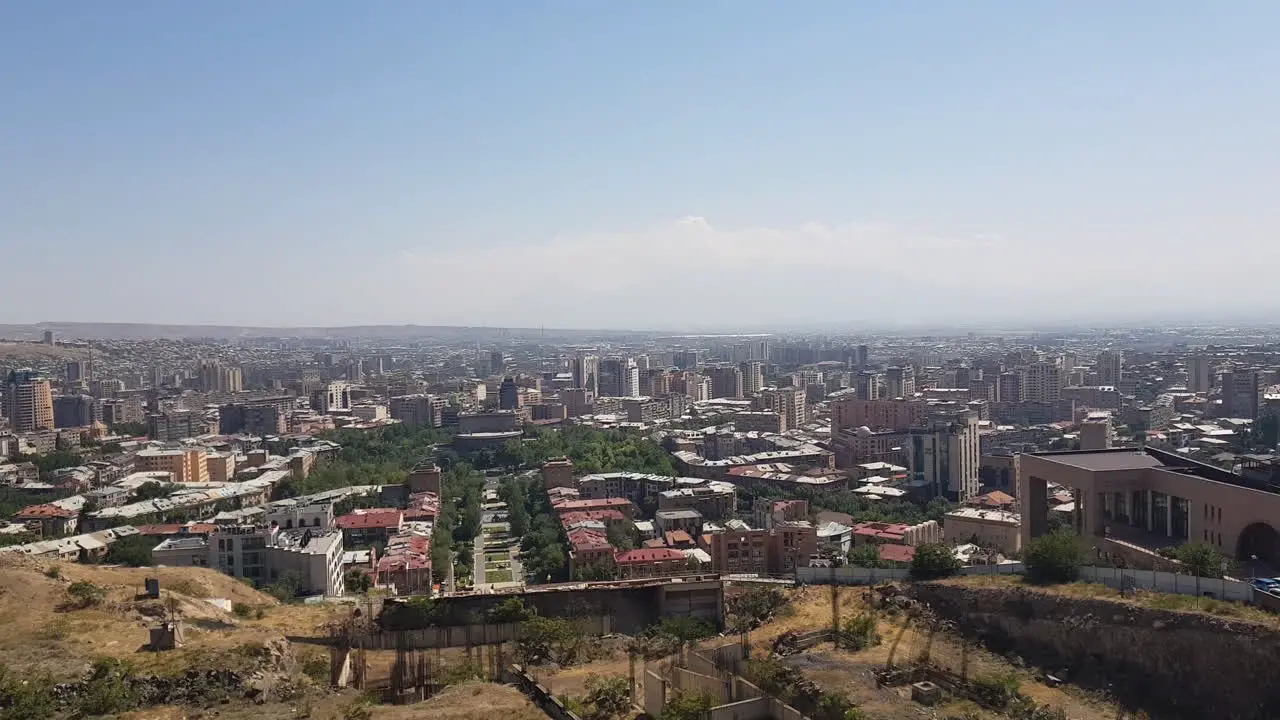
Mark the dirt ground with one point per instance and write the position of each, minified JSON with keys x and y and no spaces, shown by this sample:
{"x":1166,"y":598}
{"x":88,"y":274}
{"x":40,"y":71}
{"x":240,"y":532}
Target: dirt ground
{"x":851,"y":672}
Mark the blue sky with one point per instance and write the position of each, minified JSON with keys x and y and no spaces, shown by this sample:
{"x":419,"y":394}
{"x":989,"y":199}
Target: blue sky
{"x":607,"y":164}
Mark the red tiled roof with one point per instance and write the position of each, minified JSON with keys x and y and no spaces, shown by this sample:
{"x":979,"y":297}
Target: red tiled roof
{"x":585,"y":540}
{"x":678,"y":537}
{"x":36,"y":512}
{"x":995,"y":498}
{"x":597,"y":504}
{"x":654,"y":543}
{"x":375,"y":518}
{"x":890,"y":552}
{"x":647,"y":555}
{"x":571,"y":518}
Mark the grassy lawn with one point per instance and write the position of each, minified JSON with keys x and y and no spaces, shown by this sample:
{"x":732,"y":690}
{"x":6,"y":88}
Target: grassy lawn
{"x":497,"y":576}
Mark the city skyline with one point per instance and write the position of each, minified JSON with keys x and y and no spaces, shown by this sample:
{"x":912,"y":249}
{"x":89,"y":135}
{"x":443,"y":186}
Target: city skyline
{"x":659,"y":166}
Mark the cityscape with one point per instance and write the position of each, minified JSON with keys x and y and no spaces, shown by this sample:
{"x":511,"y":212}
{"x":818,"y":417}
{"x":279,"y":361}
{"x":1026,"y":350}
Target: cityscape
{"x":565,"y":360}
{"x":498,"y":463}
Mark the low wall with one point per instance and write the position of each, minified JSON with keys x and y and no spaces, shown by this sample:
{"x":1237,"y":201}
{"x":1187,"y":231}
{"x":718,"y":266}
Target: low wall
{"x":850,"y":575}
{"x":1171,"y":664}
{"x":542,"y":697}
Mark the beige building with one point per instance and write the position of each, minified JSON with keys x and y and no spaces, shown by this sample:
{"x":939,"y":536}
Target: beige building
{"x":994,"y":529}
{"x":1096,"y":432}
{"x":186,"y":465}
{"x":221,"y":467}
{"x":28,"y":401}
{"x":850,"y":412}
{"x":1043,"y":382}
{"x":789,"y":402}
{"x":557,"y":472}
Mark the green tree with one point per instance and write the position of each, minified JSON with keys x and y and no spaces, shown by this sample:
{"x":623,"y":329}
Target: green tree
{"x":153,"y":491}
{"x":108,"y":691}
{"x":865,"y":556}
{"x":607,"y":697}
{"x":1053,"y":558}
{"x":28,"y":696}
{"x":286,"y":587}
{"x":753,"y":607}
{"x":934,"y":560}
{"x":130,"y":429}
{"x":543,"y":639}
{"x":1201,"y":560}
{"x":511,"y":610}
{"x":357,"y":581}
{"x":134,"y":551}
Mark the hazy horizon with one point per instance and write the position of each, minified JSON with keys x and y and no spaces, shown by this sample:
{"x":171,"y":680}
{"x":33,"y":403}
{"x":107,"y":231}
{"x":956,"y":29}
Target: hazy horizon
{"x":663,"y":166}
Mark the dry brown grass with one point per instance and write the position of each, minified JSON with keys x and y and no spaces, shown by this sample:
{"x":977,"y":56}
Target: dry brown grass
{"x":39,"y":635}
{"x":468,"y":701}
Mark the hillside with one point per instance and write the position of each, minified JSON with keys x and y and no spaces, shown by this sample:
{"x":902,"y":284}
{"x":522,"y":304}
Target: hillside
{"x":43,"y":635}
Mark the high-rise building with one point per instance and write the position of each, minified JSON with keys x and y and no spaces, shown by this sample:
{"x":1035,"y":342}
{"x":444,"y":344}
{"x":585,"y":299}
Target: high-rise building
{"x":419,"y":410}
{"x":900,"y":382}
{"x":1096,"y":432}
{"x":174,"y":425}
{"x":586,"y":373}
{"x":1239,"y":394}
{"x":1009,"y":387}
{"x":866,"y":385}
{"x":332,"y":397}
{"x":861,"y":354}
{"x":1110,"y":367}
{"x":944,"y":458}
{"x":48,"y":337}
{"x":1043,"y":382}
{"x":76,"y":372}
{"x":230,"y":379}
{"x":497,"y":362}
{"x":726,"y":382}
{"x":1199,"y":373}
{"x":509,"y":394}
{"x":686,"y":359}
{"x":752,"y":377}
{"x":71,"y":411}
{"x":28,"y":401}
{"x":209,"y":375}
{"x":790,"y":402}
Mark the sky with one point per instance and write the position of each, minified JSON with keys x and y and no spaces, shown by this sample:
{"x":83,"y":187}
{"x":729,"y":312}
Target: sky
{"x":638,"y":165}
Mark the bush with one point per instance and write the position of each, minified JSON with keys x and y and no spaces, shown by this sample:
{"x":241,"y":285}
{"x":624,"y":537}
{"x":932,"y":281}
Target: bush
{"x":108,"y":690}
{"x":754,"y":607}
{"x":84,"y":594}
{"x":997,"y":690}
{"x":556,"y":640}
{"x":934,"y":560}
{"x":1054,"y":558}
{"x":686,"y":629}
{"x":859,"y":633}
{"x":511,"y":610}
{"x":1201,"y":559}
{"x":608,"y":696}
{"x":28,"y":696}
{"x":687,"y":705}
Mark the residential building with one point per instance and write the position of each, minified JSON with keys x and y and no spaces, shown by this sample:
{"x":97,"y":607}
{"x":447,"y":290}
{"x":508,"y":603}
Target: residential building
{"x":1199,"y":373}
{"x":586,"y":374}
{"x":70,"y":411}
{"x":1043,"y":382}
{"x":789,"y":402}
{"x":221,"y":467}
{"x":333,"y":397}
{"x":263,"y":554}
{"x":424,"y":477}
{"x":726,"y":382}
{"x":752,"y":377}
{"x":1239,"y":394}
{"x":763,"y":421}
{"x":28,"y":401}
{"x":557,"y":472}
{"x":1096,"y":432}
{"x":588,"y":548}
{"x":900,"y":382}
{"x":688,"y":520}
{"x":847,"y":411}
{"x":175,"y":425}
{"x":650,"y":562}
{"x":419,"y":410}
{"x":943,"y":458}
{"x":188,"y":465}
{"x":366,"y":527}
{"x":714,"y":500}
{"x":1110,"y":367}
{"x":509,"y":397}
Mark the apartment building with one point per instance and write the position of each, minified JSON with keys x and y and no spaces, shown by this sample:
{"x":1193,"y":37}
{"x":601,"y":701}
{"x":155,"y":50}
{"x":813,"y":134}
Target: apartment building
{"x":28,"y":401}
{"x":187,"y":465}
{"x":263,"y":554}
{"x":175,"y":425}
{"x":419,"y":410}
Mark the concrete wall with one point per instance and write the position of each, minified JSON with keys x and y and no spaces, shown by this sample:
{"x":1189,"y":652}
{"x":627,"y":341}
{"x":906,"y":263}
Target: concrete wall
{"x":655,"y":693}
{"x":1171,"y":664}
{"x":540,"y":696}
{"x":850,"y":575}
{"x":1167,"y":582}
{"x":464,"y":635}
{"x":631,"y":609}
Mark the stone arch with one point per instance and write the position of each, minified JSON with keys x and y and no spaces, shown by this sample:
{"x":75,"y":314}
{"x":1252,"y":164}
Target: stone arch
{"x":1260,"y":539}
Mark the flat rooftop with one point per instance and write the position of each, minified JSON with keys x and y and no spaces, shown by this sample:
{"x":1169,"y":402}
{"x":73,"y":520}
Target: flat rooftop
{"x":1101,"y":460}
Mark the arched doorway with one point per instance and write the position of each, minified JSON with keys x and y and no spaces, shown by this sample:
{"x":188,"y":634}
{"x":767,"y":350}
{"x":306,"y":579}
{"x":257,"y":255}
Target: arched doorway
{"x":1259,"y":540}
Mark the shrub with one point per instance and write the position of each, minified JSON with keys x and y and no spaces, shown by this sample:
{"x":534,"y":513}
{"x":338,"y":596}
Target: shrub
{"x":53,"y":572}
{"x":556,"y":640}
{"x":84,"y":594}
{"x":608,"y":696}
{"x":28,"y":696}
{"x":997,"y":690}
{"x":108,"y":690}
{"x":859,"y":633}
{"x":754,"y":607}
{"x":511,"y":610}
{"x":1201,"y":559}
{"x":934,"y":560}
{"x":1054,"y":558}
{"x":687,"y":705}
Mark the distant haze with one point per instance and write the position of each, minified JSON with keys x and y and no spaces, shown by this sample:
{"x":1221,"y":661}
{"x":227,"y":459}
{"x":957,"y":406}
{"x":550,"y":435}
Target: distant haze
{"x":661,"y":165}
